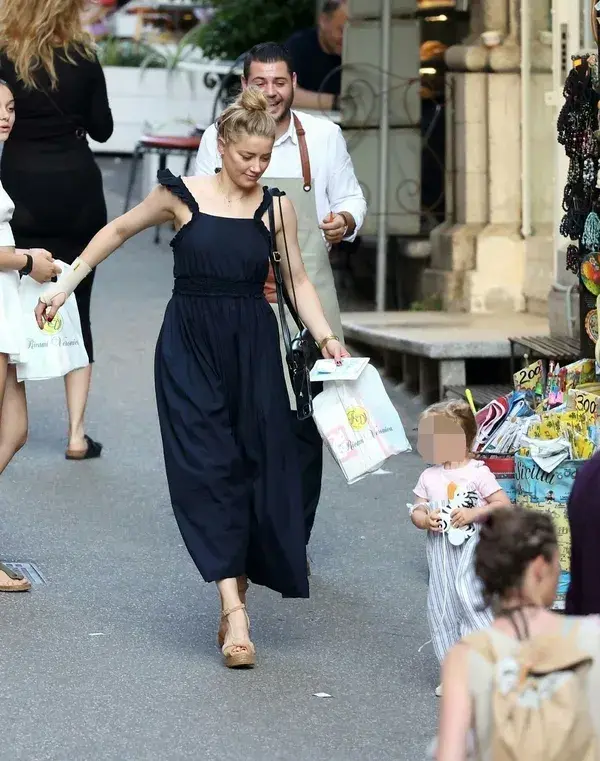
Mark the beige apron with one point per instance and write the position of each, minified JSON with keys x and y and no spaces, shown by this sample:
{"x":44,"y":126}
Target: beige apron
{"x":314,"y":251}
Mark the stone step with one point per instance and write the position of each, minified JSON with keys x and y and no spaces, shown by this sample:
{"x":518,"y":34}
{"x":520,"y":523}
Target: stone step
{"x":428,"y":350}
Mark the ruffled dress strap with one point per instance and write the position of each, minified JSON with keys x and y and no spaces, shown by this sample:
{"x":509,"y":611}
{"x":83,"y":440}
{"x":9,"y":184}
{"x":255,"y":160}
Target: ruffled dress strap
{"x":178,"y":187}
{"x":269,"y":194}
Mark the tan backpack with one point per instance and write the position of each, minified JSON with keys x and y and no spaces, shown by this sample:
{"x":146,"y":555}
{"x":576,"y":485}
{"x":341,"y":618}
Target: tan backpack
{"x":540,"y":706}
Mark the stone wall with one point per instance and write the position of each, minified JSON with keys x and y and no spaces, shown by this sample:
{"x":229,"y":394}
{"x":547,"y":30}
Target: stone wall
{"x":480,"y":260}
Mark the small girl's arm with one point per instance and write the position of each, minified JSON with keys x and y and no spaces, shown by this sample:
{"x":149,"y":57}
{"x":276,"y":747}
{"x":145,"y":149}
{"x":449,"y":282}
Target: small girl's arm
{"x":495,"y":501}
{"x":419,"y":513}
{"x":494,"y":496}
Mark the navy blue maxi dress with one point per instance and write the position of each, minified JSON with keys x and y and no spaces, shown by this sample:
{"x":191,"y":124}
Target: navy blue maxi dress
{"x":223,"y":408}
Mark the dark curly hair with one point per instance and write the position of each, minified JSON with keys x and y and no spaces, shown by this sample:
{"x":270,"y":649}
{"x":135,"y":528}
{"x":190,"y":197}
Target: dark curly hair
{"x":509,"y":540}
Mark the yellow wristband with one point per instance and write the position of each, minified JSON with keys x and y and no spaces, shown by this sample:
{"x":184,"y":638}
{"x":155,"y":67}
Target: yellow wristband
{"x":324,"y":341}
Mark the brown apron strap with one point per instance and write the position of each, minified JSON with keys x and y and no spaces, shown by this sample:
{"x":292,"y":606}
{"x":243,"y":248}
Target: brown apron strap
{"x":306,"y":176}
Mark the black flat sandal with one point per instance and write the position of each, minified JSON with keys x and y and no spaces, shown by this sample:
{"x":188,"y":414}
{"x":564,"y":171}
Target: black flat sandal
{"x":93,"y":450}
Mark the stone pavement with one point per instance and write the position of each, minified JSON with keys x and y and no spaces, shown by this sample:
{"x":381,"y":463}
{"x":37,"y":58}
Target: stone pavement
{"x":114,"y":657}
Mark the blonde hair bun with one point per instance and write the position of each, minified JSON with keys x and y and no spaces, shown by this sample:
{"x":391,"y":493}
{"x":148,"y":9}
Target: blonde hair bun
{"x":248,"y":114}
{"x":253,"y":99}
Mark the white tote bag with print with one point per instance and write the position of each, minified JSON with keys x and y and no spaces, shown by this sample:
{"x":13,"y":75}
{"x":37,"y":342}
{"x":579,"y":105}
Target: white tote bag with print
{"x":58,"y":348}
{"x":359,"y":424}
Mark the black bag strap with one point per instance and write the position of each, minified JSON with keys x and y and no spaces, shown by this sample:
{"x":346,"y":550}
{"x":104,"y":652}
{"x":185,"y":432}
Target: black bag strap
{"x":80,"y":132}
{"x":283,"y":298}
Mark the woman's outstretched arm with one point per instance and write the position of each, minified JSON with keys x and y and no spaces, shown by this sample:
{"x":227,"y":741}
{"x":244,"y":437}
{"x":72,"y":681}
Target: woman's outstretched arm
{"x":158,"y":207}
{"x":155,"y":209}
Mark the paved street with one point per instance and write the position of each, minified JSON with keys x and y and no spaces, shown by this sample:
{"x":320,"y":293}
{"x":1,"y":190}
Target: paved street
{"x":114,"y":657}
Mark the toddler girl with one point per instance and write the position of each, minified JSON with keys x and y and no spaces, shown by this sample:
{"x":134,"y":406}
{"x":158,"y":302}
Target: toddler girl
{"x":453,"y":495}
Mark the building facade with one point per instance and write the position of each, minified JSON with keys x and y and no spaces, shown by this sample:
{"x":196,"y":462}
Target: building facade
{"x":499,"y":248}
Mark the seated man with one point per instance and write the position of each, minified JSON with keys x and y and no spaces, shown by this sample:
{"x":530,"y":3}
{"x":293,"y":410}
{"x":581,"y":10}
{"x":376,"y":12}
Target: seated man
{"x":317,"y":57}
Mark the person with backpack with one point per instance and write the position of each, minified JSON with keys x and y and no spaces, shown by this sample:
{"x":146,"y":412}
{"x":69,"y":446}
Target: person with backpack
{"x":527,"y":687}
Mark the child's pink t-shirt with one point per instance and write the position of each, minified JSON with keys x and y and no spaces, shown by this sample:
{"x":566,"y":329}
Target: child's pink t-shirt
{"x":468,"y":486}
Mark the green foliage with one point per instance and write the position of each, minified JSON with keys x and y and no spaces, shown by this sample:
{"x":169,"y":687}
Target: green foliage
{"x":116,"y":52}
{"x":237,"y":25}
{"x":167,"y":58}
{"x":433,"y":303}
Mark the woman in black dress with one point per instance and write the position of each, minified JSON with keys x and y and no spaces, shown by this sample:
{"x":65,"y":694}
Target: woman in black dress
{"x":48,"y":168}
{"x":222,"y":402}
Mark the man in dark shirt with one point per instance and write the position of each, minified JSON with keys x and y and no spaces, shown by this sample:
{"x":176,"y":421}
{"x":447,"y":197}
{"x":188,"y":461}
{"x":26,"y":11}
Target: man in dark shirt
{"x":317,"y":57}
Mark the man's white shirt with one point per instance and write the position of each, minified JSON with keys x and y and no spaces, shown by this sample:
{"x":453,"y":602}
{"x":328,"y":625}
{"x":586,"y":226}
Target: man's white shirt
{"x":335,"y":184}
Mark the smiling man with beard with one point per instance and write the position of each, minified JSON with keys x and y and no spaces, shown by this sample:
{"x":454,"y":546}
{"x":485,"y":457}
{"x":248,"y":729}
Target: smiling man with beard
{"x":310,"y":162}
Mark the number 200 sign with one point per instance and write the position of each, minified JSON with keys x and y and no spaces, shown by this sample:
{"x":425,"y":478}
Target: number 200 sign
{"x":528,"y":377}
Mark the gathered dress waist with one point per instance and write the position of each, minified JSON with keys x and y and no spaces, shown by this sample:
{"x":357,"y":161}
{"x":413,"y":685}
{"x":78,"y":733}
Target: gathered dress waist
{"x":210,"y":286}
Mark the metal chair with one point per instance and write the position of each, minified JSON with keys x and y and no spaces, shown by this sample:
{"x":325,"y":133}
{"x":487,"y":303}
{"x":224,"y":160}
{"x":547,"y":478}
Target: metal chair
{"x":162,"y":146}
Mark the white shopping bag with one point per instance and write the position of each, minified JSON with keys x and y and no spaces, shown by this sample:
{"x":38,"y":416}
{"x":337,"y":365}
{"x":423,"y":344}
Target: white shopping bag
{"x":58,"y":348}
{"x":359,"y":424}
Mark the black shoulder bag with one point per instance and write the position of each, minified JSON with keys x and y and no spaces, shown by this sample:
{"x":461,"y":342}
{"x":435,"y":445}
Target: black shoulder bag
{"x":301,"y":352}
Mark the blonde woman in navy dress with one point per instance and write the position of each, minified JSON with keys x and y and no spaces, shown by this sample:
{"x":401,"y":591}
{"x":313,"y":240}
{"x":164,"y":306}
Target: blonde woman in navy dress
{"x":13,"y":263}
{"x":223,"y":407}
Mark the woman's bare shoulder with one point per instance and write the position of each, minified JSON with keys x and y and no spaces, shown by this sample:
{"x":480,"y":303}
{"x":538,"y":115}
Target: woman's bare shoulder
{"x":287,"y":209}
{"x":201,"y":185}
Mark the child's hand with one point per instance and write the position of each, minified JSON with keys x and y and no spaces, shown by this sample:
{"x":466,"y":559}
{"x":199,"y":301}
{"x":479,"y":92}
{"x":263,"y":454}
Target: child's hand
{"x":434,"y":521}
{"x":462,"y":517}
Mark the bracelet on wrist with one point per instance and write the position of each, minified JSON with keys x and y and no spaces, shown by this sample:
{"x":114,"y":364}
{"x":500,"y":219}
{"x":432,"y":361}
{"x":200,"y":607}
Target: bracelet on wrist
{"x":418,"y":506}
{"x":26,"y":269}
{"x":324,"y":341}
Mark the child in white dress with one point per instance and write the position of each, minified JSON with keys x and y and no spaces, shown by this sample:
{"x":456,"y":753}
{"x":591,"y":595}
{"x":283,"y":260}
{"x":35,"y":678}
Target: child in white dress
{"x":452,"y":496}
{"x":40,"y":265}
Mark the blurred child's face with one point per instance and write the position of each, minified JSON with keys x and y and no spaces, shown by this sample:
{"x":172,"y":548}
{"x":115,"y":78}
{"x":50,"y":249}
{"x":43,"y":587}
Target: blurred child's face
{"x":441,"y":440}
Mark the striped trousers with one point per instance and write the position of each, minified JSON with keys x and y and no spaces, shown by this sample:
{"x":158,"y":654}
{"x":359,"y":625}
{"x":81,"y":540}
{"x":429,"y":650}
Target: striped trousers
{"x":454,"y":600}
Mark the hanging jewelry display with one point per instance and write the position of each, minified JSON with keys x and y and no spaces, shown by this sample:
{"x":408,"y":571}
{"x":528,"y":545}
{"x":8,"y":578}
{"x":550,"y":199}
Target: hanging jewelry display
{"x":590,"y":238}
{"x":593,"y":273}
{"x":579,"y":133}
{"x":573,"y":259}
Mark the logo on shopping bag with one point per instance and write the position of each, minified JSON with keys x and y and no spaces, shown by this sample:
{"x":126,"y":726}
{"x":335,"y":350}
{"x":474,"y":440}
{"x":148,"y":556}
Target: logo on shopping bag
{"x":357,"y":417}
{"x":55,"y":326}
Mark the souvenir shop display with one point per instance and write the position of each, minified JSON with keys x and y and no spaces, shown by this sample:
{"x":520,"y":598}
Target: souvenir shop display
{"x":537,"y":437}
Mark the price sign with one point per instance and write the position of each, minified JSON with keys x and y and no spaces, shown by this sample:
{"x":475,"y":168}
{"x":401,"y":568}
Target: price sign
{"x":586,"y":403}
{"x":529,"y":377}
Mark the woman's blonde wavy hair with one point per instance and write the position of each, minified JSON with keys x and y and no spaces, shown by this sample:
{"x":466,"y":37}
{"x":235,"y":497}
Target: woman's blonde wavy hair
{"x":31,"y":31}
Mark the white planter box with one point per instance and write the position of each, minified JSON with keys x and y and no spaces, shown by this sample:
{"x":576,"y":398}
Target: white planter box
{"x":158,"y":101}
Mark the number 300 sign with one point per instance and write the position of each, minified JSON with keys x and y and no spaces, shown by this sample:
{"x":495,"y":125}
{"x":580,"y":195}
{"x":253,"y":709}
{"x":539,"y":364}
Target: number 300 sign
{"x":587,"y":403}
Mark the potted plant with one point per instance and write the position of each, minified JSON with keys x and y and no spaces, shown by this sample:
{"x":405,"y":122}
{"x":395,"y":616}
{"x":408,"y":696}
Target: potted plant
{"x":157,"y":88}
